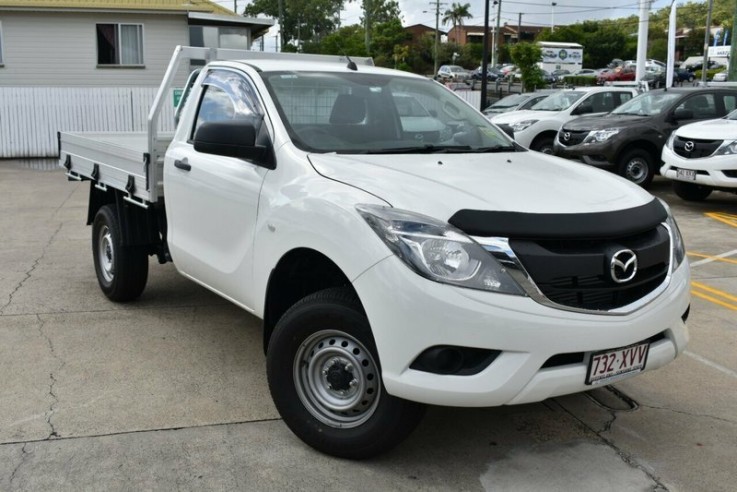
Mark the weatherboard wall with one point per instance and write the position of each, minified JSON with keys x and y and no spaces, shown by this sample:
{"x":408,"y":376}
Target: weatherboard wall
{"x":60,"y":49}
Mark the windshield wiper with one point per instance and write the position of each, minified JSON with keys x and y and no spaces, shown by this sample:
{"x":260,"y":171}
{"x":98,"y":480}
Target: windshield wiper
{"x":423,"y":149}
{"x":631,"y":114}
{"x":494,"y":148}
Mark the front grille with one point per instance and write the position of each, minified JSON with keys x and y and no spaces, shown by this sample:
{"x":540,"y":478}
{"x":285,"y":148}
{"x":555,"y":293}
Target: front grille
{"x":576,"y":273}
{"x":574,"y":138}
{"x":692,"y":148}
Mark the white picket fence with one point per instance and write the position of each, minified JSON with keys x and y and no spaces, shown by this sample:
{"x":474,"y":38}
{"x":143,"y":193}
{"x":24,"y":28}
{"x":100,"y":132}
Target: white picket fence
{"x":30,"y":117}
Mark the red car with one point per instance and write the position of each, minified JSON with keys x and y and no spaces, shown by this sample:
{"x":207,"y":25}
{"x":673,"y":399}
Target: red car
{"x":619,"y":74}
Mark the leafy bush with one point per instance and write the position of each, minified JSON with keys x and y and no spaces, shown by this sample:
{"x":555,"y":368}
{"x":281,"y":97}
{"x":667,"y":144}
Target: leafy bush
{"x":709,"y":73}
{"x":526,"y":56}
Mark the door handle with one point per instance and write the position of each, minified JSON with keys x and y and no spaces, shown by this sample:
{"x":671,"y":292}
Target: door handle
{"x":183,"y":165}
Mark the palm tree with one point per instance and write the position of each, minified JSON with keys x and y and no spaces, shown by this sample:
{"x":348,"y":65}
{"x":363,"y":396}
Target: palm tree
{"x":456,"y":13}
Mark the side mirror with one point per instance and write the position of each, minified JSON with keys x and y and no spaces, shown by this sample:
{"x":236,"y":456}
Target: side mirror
{"x":506,"y":128}
{"x":682,"y":114}
{"x":235,"y":138}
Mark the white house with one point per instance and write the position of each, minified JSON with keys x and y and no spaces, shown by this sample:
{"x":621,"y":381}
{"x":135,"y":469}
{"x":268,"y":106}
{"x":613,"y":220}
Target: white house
{"x":72,"y":56}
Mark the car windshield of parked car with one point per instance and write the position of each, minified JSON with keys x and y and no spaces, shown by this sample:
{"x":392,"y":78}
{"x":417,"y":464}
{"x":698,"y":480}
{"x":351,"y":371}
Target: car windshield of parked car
{"x":509,"y":101}
{"x":559,"y":101}
{"x":378,"y":113}
{"x":647,"y":104}
{"x":456,"y":68}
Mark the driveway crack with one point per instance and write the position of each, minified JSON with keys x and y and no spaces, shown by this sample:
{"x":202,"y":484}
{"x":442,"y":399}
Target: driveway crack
{"x":52,"y":377}
{"x":30,"y":271}
{"x":23,"y":457}
{"x":624,"y":456}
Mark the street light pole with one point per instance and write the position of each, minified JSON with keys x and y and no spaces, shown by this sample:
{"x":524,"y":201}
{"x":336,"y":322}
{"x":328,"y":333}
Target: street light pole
{"x":552,"y":17}
{"x":494,"y":44}
{"x":485,"y":57}
{"x":437,"y":36}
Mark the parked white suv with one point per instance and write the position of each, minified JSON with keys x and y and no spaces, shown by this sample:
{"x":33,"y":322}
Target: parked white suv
{"x":702,"y":157}
{"x":537,"y":127}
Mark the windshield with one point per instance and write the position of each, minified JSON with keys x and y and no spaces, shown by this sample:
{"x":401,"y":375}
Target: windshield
{"x":647,"y":104}
{"x":510,"y":101}
{"x":378,"y":113}
{"x":559,"y":101}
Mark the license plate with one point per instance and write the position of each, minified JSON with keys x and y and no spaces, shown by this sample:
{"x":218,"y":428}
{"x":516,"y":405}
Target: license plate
{"x":610,"y":365}
{"x":686,"y":174}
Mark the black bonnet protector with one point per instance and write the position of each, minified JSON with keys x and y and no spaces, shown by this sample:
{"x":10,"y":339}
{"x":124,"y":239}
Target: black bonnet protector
{"x":595,"y":225}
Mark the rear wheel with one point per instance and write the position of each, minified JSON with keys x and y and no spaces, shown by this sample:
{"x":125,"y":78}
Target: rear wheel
{"x":637,"y":166}
{"x":691,"y":192}
{"x":543,"y":144}
{"x":325,"y":379}
{"x":121,"y":270}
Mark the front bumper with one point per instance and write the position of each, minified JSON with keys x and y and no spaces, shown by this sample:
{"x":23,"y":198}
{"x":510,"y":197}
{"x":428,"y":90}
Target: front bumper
{"x":601,"y":155}
{"x":409,"y":314}
{"x":710,"y":171}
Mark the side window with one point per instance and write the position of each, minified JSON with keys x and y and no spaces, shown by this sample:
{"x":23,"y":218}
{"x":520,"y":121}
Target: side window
{"x":623,"y":97}
{"x":702,"y":106}
{"x":602,"y":102}
{"x":226,"y":96}
{"x":730,"y":103}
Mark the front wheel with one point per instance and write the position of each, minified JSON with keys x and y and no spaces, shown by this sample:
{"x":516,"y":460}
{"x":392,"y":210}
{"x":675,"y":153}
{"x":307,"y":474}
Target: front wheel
{"x":325,"y":379}
{"x":121,"y":270}
{"x":637,"y":166}
{"x":691,"y":192}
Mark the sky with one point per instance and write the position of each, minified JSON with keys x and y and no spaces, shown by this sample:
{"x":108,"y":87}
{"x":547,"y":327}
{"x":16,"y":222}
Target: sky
{"x":534,"y":12}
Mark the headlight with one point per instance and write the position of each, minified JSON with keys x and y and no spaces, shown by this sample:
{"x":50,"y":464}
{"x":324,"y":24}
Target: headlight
{"x":727,"y":148}
{"x":523,"y":125}
{"x":669,"y":142}
{"x":437,"y":250}
{"x":601,"y":135}
{"x":679,"y":247}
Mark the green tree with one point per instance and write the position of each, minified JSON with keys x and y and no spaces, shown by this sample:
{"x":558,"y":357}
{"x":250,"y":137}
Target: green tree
{"x":305,"y":21}
{"x":456,"y":13}
{"x":526,"y":56}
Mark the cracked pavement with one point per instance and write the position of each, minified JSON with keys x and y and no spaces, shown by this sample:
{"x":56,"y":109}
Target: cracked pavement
{"x":169,"y":392}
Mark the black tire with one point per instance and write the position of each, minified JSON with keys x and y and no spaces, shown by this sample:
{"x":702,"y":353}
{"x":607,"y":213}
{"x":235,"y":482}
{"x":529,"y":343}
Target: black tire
{"x":691,"y":192}
{"x":121,"y":271}
{"x":343,"y":410}
{"x":543,"y":144}
{"x":637,"y":166}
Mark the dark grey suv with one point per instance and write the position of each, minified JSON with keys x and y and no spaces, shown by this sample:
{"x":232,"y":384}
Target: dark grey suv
{"x":629,"y":140}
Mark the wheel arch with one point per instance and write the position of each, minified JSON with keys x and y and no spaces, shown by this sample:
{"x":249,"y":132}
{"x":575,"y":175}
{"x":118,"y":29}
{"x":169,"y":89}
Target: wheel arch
{"x":543,"y":135}
{"x":298,"y":273}
{"x":644,"y":145}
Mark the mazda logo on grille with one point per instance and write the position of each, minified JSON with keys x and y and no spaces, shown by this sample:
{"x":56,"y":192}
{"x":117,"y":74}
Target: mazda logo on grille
{"x":688,"y":146}
{"x":623,"y":266}
{"x":567,"y":136}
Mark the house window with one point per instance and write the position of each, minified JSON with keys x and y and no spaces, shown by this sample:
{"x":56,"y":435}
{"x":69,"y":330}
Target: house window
{"x":120,"y":44}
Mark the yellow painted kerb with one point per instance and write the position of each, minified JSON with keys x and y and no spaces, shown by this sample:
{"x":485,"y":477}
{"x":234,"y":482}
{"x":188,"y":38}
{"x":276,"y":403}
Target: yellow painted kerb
{"x":204,"y":6}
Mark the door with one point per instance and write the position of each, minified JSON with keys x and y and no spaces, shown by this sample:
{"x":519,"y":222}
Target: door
{"x":212,"y":201}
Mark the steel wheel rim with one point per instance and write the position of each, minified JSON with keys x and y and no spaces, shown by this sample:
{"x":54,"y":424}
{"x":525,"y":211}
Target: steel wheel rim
{"x":337,"y":379}
{"x":636,"y":171}
{"x":106,"y":253}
